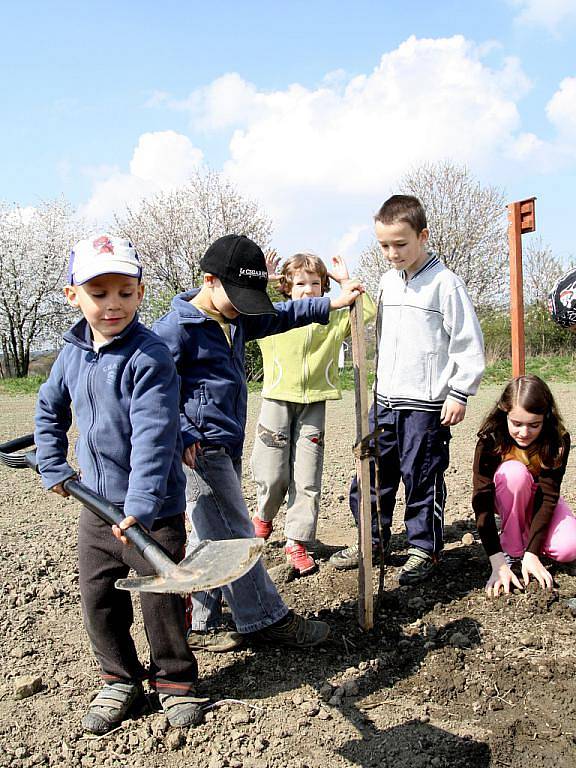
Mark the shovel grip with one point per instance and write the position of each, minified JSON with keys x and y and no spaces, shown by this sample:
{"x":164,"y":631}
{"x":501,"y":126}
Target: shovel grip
{"x":18,"y":444}
{"x":111,"y":514}
{"x":144,"y":544}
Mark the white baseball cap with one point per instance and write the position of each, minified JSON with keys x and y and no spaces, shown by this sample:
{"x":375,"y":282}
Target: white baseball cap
{"x":102,"y":255}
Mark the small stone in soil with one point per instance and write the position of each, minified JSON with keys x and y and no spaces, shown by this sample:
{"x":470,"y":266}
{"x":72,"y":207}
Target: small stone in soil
{"x":24,"y":687}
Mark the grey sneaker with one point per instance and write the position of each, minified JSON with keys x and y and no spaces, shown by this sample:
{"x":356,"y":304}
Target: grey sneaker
{"x":214,"y":640}
{"x":115,"y":702}
{"x":417,"y":568}
{"x":347,"y":558}
{"x":183,"y":711}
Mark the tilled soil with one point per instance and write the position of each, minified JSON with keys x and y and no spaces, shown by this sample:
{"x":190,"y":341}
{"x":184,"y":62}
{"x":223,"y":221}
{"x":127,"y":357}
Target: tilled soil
{"x":446,"y":678}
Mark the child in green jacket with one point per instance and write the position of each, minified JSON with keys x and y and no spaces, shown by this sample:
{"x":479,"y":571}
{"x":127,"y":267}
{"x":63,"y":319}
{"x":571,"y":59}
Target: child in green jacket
{"x":300,"y":374}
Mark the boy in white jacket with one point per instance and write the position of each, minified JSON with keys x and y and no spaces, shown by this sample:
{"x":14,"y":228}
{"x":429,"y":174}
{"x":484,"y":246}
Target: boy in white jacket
{"x":430,"y":359}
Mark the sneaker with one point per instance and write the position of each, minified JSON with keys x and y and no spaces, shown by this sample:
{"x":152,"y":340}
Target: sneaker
{"x":115,"y":702}
{"x":299,"y":558}
{"x":182,"y":711}
{"x":214,"y":640}
{"x":262,"y":528}
{"x":418,"y":567}
{"x":348,"y":558}
{"x":293,"y":630}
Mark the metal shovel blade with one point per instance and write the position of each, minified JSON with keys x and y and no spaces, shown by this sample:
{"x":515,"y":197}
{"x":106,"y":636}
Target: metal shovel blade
{"x":211,"y":564}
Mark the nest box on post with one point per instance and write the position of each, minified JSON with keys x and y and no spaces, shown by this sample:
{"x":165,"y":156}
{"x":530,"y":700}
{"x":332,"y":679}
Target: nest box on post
{"x":521,"y":219}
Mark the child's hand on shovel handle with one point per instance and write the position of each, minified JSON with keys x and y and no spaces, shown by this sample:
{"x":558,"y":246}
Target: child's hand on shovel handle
{"x":118,"y":530}
{"x":59,"y":487}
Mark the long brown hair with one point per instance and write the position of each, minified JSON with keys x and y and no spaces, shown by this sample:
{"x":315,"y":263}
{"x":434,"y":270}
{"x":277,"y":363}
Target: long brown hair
{"x":532,"y":394}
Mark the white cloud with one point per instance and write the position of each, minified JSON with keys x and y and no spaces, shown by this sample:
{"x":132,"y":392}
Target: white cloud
{"x":347,"y":244}
{"x":526,"y":146}
{"x":425,"y":101}
{"x":161,"y":161}
{"x":321,"y":160}
{"x":551,"y":14}
{"x":559,"y":152}
{"x":561,"y":109}
{"x":165,"y":158}
{"x":228,"y":101}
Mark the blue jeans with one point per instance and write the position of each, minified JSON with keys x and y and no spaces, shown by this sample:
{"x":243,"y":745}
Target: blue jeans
{"x":216,"y":510}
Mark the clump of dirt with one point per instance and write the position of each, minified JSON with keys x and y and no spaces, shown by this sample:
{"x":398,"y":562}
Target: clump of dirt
{"x":447,"y":677}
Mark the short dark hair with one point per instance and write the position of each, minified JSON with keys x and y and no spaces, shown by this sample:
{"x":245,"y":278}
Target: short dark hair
{"x":406,"y":208}
{"x":309,"y":262}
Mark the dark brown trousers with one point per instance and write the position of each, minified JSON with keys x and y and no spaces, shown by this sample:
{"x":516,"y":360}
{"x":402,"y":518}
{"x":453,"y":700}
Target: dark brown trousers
{"x":108,"y":612}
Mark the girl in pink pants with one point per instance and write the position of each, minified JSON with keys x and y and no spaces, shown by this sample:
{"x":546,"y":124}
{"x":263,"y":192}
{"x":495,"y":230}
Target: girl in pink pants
{"x":519,"y":464}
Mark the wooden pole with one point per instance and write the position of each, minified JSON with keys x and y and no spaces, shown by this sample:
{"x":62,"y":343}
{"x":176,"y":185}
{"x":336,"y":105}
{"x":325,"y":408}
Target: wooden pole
{"x":521,"y":219}
{"x":516,"y":291}
{"x":365,"y":592}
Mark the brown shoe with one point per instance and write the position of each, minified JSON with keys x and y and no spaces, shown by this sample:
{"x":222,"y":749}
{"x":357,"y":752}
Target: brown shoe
{"x":293,"y":630}
{"x":214,"y":640}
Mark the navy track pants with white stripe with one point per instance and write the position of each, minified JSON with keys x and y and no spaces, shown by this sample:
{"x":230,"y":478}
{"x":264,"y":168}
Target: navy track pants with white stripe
{"x":414,"y":447}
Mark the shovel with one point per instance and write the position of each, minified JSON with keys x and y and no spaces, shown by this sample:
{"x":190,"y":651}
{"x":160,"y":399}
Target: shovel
{"x":210,"y":564}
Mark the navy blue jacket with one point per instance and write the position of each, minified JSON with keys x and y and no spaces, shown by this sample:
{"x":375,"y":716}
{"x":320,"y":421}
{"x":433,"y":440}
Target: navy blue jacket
{"x":213,"y":391}
{"x":125,"y":400}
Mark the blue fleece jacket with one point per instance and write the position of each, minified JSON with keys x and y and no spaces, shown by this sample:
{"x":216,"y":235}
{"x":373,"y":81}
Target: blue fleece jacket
{"x":125,"y":400}
{"x":213,"y":391}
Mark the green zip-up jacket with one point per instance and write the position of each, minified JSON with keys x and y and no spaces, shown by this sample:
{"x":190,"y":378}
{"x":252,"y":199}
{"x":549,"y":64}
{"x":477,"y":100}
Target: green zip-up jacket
{"x":301,"y":365}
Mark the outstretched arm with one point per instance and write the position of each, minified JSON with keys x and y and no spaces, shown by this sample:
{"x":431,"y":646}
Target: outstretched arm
{"x":339,"y":271}
{"x":351,"y":289}
{"x":272,"y":262}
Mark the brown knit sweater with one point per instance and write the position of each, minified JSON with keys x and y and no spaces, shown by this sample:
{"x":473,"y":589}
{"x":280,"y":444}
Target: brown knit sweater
{"x":483,"y":497}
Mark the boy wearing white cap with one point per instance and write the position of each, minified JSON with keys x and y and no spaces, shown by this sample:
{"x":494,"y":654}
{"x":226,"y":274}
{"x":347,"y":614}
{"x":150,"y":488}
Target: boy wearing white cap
{"x":121,"y":381}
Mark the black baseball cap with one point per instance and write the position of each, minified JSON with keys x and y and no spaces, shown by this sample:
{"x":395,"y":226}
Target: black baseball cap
{"x":241,"y":267}
{"x":562,"y":300}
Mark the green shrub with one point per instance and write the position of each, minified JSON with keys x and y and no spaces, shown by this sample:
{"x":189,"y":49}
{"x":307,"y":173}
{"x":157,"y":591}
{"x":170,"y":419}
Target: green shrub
{"x":28,"y":385}
{"x":559,"y":368}
{"x":542,"y":335}
{"x":253,"y":362}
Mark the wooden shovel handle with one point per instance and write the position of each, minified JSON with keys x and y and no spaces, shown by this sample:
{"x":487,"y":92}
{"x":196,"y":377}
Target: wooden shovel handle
{"x":365,"y":592}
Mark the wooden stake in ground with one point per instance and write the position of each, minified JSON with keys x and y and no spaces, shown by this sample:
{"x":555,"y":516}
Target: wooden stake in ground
{"x":521,"y":219}
{"x":365,"y":593}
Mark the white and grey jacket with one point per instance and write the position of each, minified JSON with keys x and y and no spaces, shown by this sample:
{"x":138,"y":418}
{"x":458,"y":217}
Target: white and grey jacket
{"x":431,"y":346}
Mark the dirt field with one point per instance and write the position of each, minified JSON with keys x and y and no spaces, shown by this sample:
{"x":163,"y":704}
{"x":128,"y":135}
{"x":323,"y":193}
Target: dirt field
{"x":447,"y":678}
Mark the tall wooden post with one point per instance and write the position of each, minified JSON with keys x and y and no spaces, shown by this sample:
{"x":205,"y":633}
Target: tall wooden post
{"x":521,"y":219}
{"x":365,"y":592}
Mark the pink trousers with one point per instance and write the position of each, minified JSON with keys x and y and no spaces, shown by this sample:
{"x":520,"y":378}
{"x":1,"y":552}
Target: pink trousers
{"x":515,"y":490}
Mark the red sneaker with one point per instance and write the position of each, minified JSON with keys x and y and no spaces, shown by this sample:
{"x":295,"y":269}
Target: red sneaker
{"x":262,"y":528}
{"x":300,"y":559}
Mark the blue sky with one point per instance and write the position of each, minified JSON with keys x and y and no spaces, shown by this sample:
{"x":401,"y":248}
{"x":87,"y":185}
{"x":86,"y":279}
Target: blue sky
{"x":313,"y":108}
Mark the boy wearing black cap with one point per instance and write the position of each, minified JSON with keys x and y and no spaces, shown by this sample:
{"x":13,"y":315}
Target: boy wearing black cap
{"x":206,"y":332}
